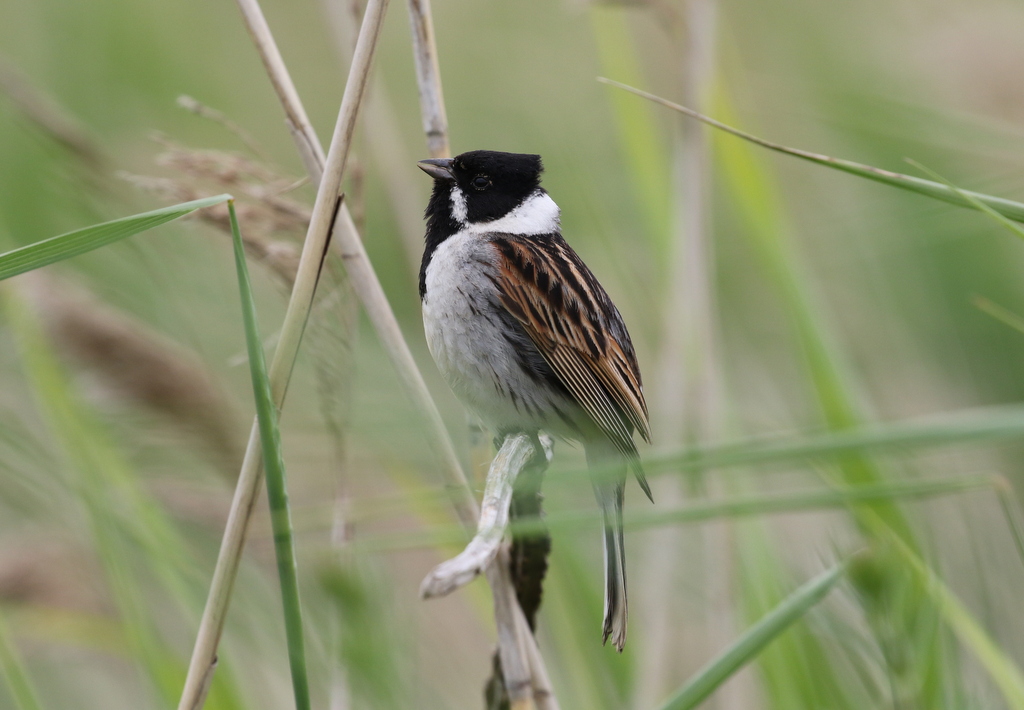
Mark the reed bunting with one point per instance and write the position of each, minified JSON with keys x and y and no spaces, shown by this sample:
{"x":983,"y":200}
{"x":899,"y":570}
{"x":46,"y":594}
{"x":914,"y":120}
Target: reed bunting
{"x":526,"y":336}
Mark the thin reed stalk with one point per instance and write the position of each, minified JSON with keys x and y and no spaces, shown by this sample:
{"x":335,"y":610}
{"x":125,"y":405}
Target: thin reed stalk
{"x":365,"y":283}
{"x":204,"y":654}
{"x":384,"y":141}
{"x":428,"y":78}
{"x":688,"y":402}
{"x":301,"y":128}
{"x":526,"y":678}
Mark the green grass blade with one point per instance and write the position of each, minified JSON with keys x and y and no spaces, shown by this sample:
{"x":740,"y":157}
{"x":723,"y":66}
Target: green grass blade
{"x":816,"y":500}
{"x":80,"y":241}
{"x":1007,"y":208}
{"x":751,"y":643}
{"x":1000,"y":313}
{"x":797,"y":671}
{"x":735,"y":507}
{"x":969,"y":426}
{"x":1011,"y":511}
{"x":972,"y":199}
{"x":270,"y":436}
{"x":1005,"y":673}
{"x":766,"y":504}
{"x":899,"y":613}
{"x":13,"y":670}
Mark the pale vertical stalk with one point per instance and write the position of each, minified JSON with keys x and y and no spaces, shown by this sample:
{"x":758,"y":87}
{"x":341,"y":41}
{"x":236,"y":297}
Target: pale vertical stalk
{"x":526,"y":677}
{"x":428,"y":78}
{"x":211,"y":626}
{"x":384,"y":141}
{"x":512,"y":642}
{"x":688,"y":404}
{"x":309,"y":147}
{"x":364,"y":279}
{"x":345,"y":18}
{"x":378,"y":309}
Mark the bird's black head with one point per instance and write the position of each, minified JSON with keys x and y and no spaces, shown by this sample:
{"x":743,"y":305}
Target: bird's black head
{"x":481,"y":185}
{"x":477,"y":188}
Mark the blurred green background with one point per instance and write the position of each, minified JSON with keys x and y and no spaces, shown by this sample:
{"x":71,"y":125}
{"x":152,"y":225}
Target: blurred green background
{"x":823,"y":302}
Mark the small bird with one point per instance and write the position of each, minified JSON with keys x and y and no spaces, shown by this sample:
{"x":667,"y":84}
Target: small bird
{"x":526,"y":336}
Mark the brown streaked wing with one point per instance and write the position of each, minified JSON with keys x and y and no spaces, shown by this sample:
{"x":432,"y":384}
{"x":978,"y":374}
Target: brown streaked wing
{"x":567,"y":314}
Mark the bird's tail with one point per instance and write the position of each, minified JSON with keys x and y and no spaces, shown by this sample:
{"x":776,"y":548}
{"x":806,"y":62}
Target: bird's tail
{"x":608,"y":476}
{"x":615,"y":606}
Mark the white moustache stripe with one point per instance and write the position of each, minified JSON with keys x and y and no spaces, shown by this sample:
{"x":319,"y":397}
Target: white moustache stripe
{"x":459,"y":211}
{"x":537,"y":215}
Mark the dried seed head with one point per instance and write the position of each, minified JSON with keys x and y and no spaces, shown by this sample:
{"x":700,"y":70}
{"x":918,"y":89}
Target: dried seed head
{"x":132,"y":362}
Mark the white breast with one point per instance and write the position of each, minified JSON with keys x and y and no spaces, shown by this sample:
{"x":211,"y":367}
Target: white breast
{"x":458,"y":293}
{"x":465,"y":327}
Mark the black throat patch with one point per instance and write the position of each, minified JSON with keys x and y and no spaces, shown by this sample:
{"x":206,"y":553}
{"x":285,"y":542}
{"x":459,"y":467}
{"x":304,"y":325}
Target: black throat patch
{"x":441,"y":224}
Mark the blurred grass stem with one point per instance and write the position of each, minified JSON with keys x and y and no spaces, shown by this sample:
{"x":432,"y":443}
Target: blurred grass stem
{"x":733,"y":507}
{"x":751,"y":643}
{"x":689,"y":400}
{"x":19,"y":685}
{"x":964,"y":198}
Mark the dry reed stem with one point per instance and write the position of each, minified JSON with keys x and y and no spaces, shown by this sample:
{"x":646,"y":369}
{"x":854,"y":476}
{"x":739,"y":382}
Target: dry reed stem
{"x":368,"y":288}
{"x":384,"y":141}
{"x":527,"y":686}
{"x":364,"y":278}
{"x":688,"y":401}
{"x":512,"y":635}
{"x":428,"y":78}
{"x":515,"y":453}
{"x":310,"y":150}
{"x":515,"y":639}
{"x":324,"y":210}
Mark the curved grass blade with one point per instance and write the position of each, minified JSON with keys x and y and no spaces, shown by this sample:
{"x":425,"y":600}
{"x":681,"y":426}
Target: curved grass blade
{"x":270,"y":436}
{"x":1003,"y":670}
{"x":754,"y":640}
{"x":736,"y":507}
{"x":1000,"y":313}
{"x":969,"y":426}
{"x":80,"y":241}
{"x":938,"y":191}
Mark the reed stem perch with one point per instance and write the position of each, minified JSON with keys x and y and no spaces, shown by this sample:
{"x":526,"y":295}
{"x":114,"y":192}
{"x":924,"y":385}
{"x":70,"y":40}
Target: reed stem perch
{"x":517,"y":451}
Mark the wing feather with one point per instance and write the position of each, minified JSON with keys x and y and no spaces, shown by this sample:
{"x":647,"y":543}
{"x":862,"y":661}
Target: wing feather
{"x":548,"y":289}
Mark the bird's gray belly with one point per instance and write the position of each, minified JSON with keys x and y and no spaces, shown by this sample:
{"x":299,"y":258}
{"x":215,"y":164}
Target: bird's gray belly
{"x":482,"y":351}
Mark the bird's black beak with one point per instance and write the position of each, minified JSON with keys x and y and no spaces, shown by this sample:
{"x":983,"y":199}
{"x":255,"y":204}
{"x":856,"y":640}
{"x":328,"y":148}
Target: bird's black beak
{"x":437,"y":168}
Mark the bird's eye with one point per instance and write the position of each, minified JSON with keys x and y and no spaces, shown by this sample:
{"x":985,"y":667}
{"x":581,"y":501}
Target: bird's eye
{"x":481,"y":183}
